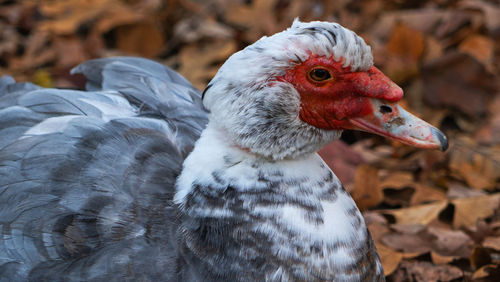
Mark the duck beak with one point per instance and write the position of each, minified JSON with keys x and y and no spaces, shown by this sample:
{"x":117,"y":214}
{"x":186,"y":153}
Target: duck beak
{"x":391,"y":120}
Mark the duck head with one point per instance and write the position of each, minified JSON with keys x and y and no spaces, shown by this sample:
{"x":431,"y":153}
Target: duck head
{"x":291,"y":93}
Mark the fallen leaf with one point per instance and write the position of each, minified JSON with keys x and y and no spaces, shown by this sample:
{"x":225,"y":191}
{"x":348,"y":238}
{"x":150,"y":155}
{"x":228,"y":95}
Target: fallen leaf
{"x":398,"y":188}
{"x":405,"y":48}
{"x":43,"y":78}
{"x":397,"y":180}
{"x":458,"y":190}
{"x":478,"y":165}
{"x":366,"y":193}
{"x":422,"y":214}
{"x":492,"y":242}
{"x":408,"y":238}
{"x":342,"y":159}
{"x":371,"y":155}
{"x":425,"y":271}
{"x":116,"y":16}
{"x":426,"y":194}
{"x":9,"y":40}
{"x":440,"y":259}
{"x":469,"y":210}
{"x":487,"y":273}
{"x":450,"y":80}
{"x":491,"y":12}
{"x":200,"y":63}
{"x":449,"y":242}
{"x":480,"y":47}
{"x":67,"y":16}
{"x":70,"y":51}
{"x":423,"y":20}
{"x":489,"y":134}
{"x":145,"y":39}
{"x":390,"y":259}
{"x":434,"y":49}
{"x":377,"y":225}
{"x":36,"y":53}
{"x":245,"y":15}
{"x":196,"y":28}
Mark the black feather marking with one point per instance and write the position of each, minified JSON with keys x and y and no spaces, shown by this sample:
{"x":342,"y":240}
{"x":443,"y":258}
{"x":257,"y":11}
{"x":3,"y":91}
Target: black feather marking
{"x":205,"y":91}
{"x":333,"y":38}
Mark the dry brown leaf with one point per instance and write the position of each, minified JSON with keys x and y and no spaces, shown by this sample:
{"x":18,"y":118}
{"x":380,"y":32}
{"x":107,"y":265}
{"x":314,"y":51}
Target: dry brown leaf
{"x":145,"y":39}
{"x":409,"y":239}
{"x":398,"y":188}
{"x":371,"y":155}
{"x":199,"y":65}
{"x":440,"y":259}
{"x":478,"y":165}
{"x":422,"y":214}
{"x":409,"y":244}
{"x":458,"y":190}
{"x":196,"y":28}
{"x":70,"y":51}
{"x":9,"y":39}
{"x":490,"y":10}
{"x":487,"y":273}
{"x":423,"y":20}
{"x":367,"y":192}
{"x":425,"y":271}
{"x":405,"y":48}
{"x":411,"y":255}
{"x":450,"y":242}
{"x":456,"y":24}
{"x":469,"y":210}
{"x":480,"y":47}
{"x":492,"y":242}
{"x":342,"y":159}
{"x":450,"y":80}
{"x":390,"y":259}
{"x":406,"y":42}
{"x":377,"y":225}
{"x":426,"y":194}
{"x":489,"y":134}
{"x":397,"y":180}
{"x":245,"y":15}
{"x":67,"y":16}
{"x":433,"y":49}
{"x":36,"y":53}
{"x":116,"y":16}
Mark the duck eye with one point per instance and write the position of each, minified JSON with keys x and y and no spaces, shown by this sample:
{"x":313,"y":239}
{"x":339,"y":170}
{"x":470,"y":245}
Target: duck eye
{"x":319,"y":74}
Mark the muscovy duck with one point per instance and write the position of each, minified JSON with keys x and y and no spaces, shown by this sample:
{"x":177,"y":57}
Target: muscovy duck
{"x":133,"y":180}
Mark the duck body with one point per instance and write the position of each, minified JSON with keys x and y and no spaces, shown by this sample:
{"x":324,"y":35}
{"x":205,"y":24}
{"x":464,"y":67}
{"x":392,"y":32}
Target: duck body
{"x":144,"y":178}
{"x":287,"y":220}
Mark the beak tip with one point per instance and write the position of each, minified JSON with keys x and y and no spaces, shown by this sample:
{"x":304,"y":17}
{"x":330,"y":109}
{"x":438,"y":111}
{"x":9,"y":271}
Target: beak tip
{"x":443,"y":141}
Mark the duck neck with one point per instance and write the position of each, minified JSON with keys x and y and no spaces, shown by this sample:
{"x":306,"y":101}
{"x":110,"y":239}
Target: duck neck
{"x":290,"y":218}
{"x":218,"y":165}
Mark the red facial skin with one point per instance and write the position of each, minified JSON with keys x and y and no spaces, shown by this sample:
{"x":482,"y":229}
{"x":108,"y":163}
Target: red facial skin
{"x":329,"y":104}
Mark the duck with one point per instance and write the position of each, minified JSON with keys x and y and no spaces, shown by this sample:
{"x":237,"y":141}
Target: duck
{"x":142,"y":177}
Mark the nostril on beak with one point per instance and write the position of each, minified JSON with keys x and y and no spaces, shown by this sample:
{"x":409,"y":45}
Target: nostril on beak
{"x":385,"y":109}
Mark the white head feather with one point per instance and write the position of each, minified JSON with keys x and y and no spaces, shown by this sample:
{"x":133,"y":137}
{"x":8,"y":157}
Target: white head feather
{"x":261,"y":114}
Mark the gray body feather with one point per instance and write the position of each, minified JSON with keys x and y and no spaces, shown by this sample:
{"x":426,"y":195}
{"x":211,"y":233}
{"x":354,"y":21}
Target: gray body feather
{"x":85,"y":194}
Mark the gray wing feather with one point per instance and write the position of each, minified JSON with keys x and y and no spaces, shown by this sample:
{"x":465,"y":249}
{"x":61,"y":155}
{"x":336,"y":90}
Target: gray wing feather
{"x":154,"y":89}
{"x":86,"y":178}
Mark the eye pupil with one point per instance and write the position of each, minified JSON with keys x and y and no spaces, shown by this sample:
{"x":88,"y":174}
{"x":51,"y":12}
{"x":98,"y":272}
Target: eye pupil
{"x":319,"y":74}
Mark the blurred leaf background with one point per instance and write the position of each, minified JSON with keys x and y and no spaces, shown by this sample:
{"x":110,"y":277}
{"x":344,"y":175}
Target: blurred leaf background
{"x":434,"y":216}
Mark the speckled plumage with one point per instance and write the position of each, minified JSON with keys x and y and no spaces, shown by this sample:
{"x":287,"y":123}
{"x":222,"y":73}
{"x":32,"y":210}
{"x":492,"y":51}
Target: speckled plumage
{"x":105,"y":184}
